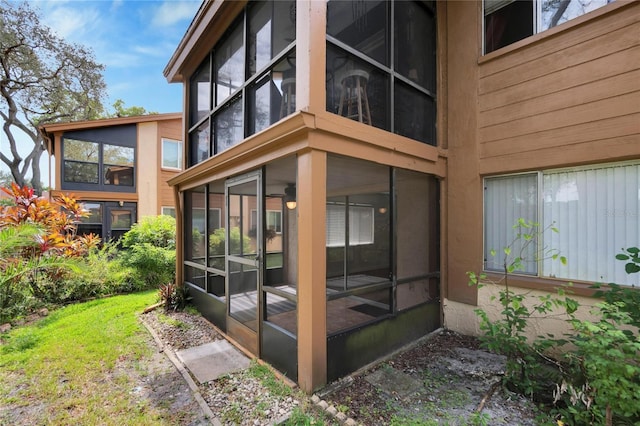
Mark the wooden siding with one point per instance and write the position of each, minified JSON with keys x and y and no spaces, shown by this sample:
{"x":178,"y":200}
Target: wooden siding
{"x":170,"y":129}
{"x":570,"y":98}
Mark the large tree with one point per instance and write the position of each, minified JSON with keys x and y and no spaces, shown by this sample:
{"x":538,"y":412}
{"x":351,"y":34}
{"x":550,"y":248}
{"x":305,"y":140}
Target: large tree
{"x":43,"y":79}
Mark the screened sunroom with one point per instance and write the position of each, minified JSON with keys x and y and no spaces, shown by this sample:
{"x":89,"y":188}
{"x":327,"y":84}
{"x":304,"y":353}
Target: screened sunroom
{"x":309,"y":214}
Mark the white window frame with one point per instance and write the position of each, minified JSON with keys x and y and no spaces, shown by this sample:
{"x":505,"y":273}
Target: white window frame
{"x":337,"y":239}
{"x":180,"y":154}
{"x":165,"y":209}
{"x":277,"y":225}
{"x":590,"y":256}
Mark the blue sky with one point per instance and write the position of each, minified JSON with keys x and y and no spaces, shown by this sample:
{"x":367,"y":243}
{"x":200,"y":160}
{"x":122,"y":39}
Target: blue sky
{"x":133,"y":39}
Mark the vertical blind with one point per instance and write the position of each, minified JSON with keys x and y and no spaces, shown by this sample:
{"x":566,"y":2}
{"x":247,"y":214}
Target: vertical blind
{"x":596,"y":211}
{"x":508,"y":199}
{"x":361,"y":225}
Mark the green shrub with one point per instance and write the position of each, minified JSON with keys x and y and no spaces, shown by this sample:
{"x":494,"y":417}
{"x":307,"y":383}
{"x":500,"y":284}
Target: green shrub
{"x":159,"y":231}
{"x":153,"y":265}
{"x":150,"y":249}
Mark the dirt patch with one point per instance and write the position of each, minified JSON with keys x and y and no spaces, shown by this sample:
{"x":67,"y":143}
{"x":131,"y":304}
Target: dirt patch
{"x":447,"y":377}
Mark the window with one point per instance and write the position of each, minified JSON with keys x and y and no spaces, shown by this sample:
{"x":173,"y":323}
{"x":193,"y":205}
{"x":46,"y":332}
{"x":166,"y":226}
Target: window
{"x":361,"y":225}
{"x":81,"y":161}
{"x":88,"y":164}
{"x":381,"y":65}
{"x":171,"y":154}
{"x":118,"y":165}
{"x":508,"y":21}
{"x":169,"y":211}
{"x":595,"y":210}
{"x":246,"y":83}
{"x":274,"y":220}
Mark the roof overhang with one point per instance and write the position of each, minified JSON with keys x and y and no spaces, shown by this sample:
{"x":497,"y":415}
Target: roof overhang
{"x":209,"y":24}
{"x":49,"y":130}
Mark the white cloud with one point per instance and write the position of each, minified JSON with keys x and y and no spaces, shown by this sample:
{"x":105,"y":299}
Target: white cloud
{"x":171,"y":12}
{"x":73,"y":24}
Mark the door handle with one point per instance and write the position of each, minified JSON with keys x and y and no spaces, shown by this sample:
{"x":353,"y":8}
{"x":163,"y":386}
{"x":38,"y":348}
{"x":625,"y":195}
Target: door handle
{"x":258,"y":259}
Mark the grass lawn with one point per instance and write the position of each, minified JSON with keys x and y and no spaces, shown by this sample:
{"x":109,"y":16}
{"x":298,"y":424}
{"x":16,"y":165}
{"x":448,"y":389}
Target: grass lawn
{"x":60,"y":370}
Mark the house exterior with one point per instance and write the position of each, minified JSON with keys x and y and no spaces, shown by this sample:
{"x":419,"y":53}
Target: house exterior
{"x":348,"y":162}
{"x":118,"y":167}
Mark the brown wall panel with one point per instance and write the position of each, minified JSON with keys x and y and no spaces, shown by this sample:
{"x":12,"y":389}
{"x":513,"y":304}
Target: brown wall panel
{"x":558,"y":100}
{"x":576,"y":31}
{"x":544,"y":102}
{"x":537,"y":66}
{"x":598,"y":69}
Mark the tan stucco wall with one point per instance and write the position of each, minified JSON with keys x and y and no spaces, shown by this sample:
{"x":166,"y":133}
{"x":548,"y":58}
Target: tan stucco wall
{"x":148,"y":169}
{"x":462,"y":318}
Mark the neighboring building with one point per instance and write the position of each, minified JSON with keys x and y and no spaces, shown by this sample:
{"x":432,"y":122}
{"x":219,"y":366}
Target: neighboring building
{"x":118,"y":167}
{"x":359,"y":157}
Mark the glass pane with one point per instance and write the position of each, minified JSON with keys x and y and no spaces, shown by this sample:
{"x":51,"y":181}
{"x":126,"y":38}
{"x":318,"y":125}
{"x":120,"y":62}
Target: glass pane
{"x":418,"y":253}
{"x":506,"y":200}
{"x":95,"y":213}
{"x":229,"y":128}
{"x":194,"y":225}
{"x":556,"y":12}
{"x":507,"y":24}
{"x":596,"y":213}
{"x":365,"y":224}
{"x":199,"y":144}
{"x":243,"y":292}
{"x":121,"y":219}
{"x":260,"y":48}
{"x":273,"y":97}
{"x":356,"y":89}
{"x":217,"y":233}
{"x":262,"y":110}
{"x":414,"y":114}
{"x":284,"y":25}
{"x":363,"y":25}
{"x":117,"y":155}
{"x":86,"y":229}
{"x":271,"y":30}
{"x":194,"y":276}
{"x":415,"y":43}
{"x":171,"y":154}
{"x":83,"y":151}
{"x":243,"y":233}
{"x":80,"y":172}
{"x":229,"y":65}
{"x":215,"y":284}
{"x":199,"y":93}
{"x":349,"y":312}
{"x":118,"y":175}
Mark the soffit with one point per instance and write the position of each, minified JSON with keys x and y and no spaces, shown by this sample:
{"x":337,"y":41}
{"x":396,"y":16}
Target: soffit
{"x":211,"y":21}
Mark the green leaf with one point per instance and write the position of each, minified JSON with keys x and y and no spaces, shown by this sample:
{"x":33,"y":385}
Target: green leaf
{"x":633,"y":250}
{"x":631,"y":268}
{"x":622,"y":257}
{"x":493,"y":252}
{"x":563,"y":260}
{"x":507,"y":251}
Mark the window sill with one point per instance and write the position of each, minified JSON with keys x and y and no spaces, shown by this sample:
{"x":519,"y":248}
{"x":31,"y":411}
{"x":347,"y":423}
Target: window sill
{"x":577,"y":288}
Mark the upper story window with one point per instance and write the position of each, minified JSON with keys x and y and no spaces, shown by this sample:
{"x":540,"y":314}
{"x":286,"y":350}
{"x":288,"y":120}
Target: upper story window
{"x":246,"y":83}
{"x":381,"y":65}
{"x":89,"y":163}
{"x":171,"y":154}
{"x":508,"y":21}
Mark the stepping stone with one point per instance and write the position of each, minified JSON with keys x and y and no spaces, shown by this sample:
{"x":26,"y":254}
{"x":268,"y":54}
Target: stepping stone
{"x":394,"y":383}
{"x":212,"y":360}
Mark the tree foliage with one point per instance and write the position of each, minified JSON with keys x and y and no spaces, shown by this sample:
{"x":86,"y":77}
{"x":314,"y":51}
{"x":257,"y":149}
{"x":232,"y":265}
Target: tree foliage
{"x":43,"y":79}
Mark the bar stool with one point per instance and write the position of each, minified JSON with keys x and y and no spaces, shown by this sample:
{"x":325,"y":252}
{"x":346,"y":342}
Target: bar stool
{"x":354,"y":96}
{"x":288,"y":103}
